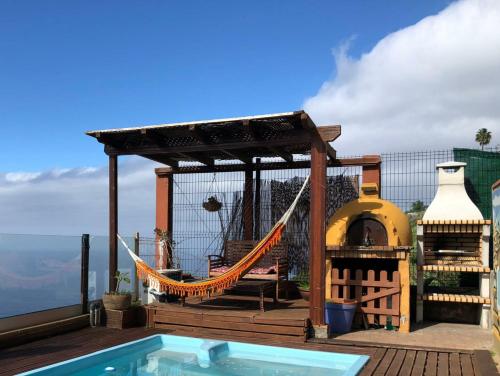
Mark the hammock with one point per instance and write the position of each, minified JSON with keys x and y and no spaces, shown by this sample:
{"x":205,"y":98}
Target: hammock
{"x":160,"y":282}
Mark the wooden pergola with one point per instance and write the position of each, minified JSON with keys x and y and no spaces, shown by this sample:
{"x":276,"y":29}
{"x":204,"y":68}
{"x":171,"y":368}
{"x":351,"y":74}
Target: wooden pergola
{"x":246,"y":139}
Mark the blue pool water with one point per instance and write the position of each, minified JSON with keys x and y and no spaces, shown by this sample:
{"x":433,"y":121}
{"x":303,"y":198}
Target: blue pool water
{"x":174,"y":355}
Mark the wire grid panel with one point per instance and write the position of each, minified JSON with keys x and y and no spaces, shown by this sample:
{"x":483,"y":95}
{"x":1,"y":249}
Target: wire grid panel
{"x":197,"y":232}
{"x":411,"y":176}
{"x":407,"y":178}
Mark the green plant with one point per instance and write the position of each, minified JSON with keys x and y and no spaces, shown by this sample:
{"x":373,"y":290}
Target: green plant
{"x":303,"y":285}
{"x":136,"y":303}
{"x":417,"y":206}
{"x":302,"y":280}
{"x":121,"y":277}
{"x":167,"y":245}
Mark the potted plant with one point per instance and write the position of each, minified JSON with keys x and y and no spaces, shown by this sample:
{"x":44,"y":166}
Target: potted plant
{"x":303,"y":287}
{"x":118,"y":300}
{"x":166,"y":248}
{"x":212,"y":204}
{"x":302,"y":283}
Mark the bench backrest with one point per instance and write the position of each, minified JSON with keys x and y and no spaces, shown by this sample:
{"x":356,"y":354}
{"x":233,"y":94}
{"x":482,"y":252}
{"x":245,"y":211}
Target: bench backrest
{"x":235,"y":250}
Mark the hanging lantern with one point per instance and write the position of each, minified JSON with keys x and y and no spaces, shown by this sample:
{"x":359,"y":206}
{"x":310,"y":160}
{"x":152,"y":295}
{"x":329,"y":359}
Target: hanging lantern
{"x":212,"y":204}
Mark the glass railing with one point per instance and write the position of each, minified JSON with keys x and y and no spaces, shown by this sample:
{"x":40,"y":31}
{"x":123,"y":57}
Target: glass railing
{"x":38,"y":272}
{"x":99,"y":266}
{"x":42,"y":272}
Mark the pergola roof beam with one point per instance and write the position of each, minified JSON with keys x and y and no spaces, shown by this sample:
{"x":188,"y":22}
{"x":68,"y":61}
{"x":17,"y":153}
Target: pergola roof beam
{"x":329,"y":133}
{"x":288,"y":157}
{"x":163,"y":159}
{"x":237,"y":155}
{"x":330,"y":151}
{"x":300,"y":137}
{"x":198,"y":157}
{"x":365,"y":161}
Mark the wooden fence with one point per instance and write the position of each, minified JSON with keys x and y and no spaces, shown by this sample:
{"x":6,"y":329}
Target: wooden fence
{"x":377,"y":298}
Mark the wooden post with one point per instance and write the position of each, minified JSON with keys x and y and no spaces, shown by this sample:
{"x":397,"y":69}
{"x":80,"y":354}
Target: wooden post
{"x":248,"y":205}
{"x":136,"y":279}
{"x":328,"y":275}
{"x":317,"y":233}
{"x":257,"y":201}
{"x":372,"y":173}
{"x":404,"y":301}
{"x":84,"y":281}
{"x":419,"y":317}
{"x":164,"y":210}
{"x":113,"y":220}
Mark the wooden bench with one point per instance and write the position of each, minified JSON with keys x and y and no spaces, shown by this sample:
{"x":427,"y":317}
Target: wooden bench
{"x":235,"y":250}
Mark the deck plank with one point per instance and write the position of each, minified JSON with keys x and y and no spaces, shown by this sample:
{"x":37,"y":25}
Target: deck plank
{"x":384,"y":360}
{"x":407,"y":365}
{"x":374,"y":362}
{"x":62,"y":347}
{"x":431,"y":364}
{"x":443,"y":365}
{"x":385,"y":363}
{"x":394,"y":368}
{"x":455,"y":368}
{"x":419,"y":364}
{"x":466,"y":365}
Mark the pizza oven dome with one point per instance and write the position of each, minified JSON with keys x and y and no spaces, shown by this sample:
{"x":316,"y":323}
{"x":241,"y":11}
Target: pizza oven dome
{"x":369,"y":221}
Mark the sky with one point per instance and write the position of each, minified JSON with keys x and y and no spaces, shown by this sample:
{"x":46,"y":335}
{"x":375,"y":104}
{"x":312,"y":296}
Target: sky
{"x":412,"y":75}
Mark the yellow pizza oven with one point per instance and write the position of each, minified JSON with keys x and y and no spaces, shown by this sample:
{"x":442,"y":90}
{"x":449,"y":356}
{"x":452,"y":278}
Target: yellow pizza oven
{"x":368,"y":244}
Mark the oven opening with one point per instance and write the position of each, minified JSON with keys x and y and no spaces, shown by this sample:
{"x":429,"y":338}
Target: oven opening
{"x":366,"y":232}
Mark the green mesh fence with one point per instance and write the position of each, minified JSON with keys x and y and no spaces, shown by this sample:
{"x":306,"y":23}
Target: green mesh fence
{"x":483,"y":169}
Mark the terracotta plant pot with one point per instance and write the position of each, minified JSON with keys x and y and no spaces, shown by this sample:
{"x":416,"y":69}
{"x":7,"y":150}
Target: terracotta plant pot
{"x":304,"y":293}
{"x":119,"y":302}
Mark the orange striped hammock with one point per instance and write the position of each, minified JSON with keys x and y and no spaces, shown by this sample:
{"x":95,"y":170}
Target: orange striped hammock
{"x":160,"y":282}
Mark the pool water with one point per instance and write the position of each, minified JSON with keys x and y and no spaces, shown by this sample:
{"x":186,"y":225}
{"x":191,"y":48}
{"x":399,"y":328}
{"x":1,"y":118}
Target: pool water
{"x":174,"y":355}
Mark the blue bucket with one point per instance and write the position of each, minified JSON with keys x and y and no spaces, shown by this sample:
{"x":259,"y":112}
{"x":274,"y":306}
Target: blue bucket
{"x":339,"y":316}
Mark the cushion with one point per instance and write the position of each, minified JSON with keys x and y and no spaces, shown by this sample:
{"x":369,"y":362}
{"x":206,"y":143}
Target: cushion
{"x":260,"y":270}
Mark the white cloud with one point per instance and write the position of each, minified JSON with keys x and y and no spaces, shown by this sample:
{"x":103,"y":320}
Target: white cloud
{"x":16,"y":177}
{"x":75,"y":201}
{"x":428,"y":86}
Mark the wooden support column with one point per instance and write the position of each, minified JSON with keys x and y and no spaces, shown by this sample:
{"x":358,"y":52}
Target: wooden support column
{"x":164,"y":210}
{"x":84,"y":281}
{"x":113,"y":220}
{"x":317,"y":233}
{"x":136,"y":251}
{"x":257,"y":201}
{"x":248,"y":205}
{"x":372,"y":173}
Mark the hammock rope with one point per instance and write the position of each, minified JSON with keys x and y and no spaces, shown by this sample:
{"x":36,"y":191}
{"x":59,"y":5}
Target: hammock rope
{"x":160,"y":282}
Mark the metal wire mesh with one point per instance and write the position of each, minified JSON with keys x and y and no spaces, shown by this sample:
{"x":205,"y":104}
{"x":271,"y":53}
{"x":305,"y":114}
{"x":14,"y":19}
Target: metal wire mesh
{"x":409,"y":180}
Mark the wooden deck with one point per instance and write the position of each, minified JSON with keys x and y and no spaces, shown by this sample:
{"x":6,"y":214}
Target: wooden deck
{"x":235,"y":317}
{"x":383,"y":360}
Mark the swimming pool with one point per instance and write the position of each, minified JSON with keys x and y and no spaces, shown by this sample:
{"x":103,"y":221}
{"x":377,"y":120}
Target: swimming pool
{"x":173,"y":355}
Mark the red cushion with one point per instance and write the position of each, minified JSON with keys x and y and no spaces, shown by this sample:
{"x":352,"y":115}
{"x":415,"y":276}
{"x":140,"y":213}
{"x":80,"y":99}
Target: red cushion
{"x":260,"y":270}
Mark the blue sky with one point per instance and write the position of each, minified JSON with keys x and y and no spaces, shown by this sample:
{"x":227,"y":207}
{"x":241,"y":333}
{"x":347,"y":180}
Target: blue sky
{"x":71,"y":66}
{"x":397,"y":75}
